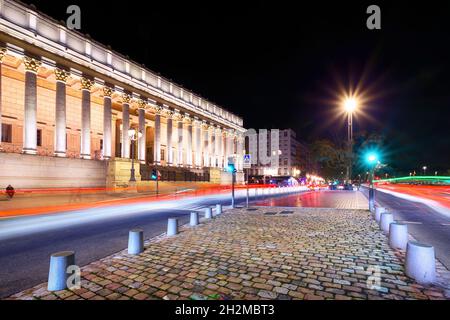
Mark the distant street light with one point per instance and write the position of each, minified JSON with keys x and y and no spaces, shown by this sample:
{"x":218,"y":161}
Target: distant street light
{"x":350,"y":105}
{"x":424,"y":168}
{"x":435,"y":173}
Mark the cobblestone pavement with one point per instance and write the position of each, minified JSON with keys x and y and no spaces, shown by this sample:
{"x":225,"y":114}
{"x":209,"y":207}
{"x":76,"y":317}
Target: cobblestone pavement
{"x":267,"y":253}
{"x":320,"y":199}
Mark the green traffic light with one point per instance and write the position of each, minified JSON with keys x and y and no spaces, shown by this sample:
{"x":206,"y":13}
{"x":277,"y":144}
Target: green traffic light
{"x":372,"y":157}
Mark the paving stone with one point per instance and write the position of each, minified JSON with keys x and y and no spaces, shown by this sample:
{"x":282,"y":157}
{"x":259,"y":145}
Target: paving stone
{"x":308,"y":254}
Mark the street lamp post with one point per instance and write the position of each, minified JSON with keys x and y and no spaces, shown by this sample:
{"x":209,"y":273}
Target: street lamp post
{"x":372,"y":159}
{"x":350,"y":106}
{"x":424,"y":168}
{"x":133,"y":138}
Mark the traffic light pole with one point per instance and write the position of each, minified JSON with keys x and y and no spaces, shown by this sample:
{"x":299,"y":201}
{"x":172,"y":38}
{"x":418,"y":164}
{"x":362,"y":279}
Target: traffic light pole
{"x":155,"y":176}
{"x":157,"y":188}
{"x":372,"y":191}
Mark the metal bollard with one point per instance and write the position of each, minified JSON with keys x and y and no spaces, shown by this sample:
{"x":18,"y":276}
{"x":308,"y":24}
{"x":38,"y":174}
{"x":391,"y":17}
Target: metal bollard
{"x":218,"y":209}
{"x":135,"y":241}
{"x":378,"y":212}
{"x":172,"y":227}
{"x":386,"y":219}
{"x":208,"y":213}
{"x":420,"y":263}
{"x":194,"y":219}
{"x":398,"y":235}
{"x":57,"y":275}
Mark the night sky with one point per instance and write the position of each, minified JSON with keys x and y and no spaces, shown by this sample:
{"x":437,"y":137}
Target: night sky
{"x":279,"y":65}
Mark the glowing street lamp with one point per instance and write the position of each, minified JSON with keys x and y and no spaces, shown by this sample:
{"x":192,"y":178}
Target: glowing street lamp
{"x":424,"y":168}
{"x":350,"y":106}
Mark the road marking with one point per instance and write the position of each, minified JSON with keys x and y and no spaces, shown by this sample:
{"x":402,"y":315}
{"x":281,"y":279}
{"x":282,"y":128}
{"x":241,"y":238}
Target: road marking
{"x":445,"y":224}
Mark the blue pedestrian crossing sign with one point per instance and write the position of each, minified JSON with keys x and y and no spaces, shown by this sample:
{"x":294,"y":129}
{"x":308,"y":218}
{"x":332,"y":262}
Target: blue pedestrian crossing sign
{"x":247,"y":161}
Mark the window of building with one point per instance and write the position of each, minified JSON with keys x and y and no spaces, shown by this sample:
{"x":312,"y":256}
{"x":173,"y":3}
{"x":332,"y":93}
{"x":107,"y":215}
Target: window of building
{"x":162,"y":155}
{"x":101,"y":144}
{"x":39,"y":138}
{"x":6,"y":132}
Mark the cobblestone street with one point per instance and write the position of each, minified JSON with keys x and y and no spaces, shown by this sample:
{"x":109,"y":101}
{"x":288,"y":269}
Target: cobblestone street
{"x":263,"y":253}
{"x":320,"y":199}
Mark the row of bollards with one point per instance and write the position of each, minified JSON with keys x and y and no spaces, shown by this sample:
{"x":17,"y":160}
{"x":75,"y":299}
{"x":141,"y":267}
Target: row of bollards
{"x":420,"y":263}
{"x":61,"y":261}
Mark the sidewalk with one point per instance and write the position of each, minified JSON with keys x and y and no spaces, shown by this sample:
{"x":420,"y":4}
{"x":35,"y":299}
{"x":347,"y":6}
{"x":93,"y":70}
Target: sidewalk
{"x":266,"y":253}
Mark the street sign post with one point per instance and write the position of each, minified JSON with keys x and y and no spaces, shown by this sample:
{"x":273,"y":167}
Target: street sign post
{"x":247,"y":165}
{"x":247,"y":161}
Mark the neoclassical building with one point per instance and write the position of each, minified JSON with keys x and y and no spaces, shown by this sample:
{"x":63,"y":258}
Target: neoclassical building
{"x":68,"y":103}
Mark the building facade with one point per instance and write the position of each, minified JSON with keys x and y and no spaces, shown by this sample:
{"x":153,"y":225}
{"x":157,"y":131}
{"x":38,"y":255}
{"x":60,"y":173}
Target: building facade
{"x":290,"y":156}
{"x":68,"y":103}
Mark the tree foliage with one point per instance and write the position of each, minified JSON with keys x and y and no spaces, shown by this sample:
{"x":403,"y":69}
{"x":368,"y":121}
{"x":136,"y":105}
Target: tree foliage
{"x":329,"y":157}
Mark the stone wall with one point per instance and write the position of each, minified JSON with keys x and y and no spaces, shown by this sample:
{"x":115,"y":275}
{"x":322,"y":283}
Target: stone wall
{"x":118,"y":173}
{"x":32,"y":171}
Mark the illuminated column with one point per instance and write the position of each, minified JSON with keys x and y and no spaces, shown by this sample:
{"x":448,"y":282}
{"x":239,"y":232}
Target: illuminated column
{"x":206,"y":145}
{"x":198,"y":144}
{"x":169,"y":115}
{"x":2,"y":54}
{"x":224,"y":148}
{"x":179,"y":119}
{"x":142,"y":132}
{"x":212,"y":135}
{"x":60,"y":112}
{"x":219,"y":147}
{"x":189,"y":137}
{"x":240,"y":151}
{"x":229,"y":143}
{"x":125,"y":125}
{"x":107,"y":122}
{"x":86,"y":85}
{"x":157,"y":141}
{"x":29,"y":117}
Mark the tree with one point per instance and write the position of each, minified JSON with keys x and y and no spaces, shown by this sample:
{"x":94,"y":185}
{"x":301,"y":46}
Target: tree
{"x":330,"y":158}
